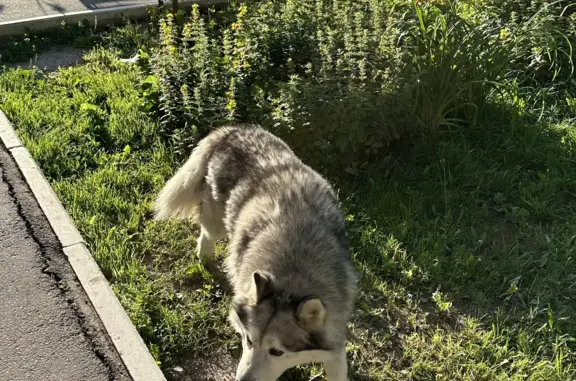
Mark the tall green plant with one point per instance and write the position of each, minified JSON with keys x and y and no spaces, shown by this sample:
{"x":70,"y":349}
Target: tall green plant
{"x":461,"y":59}
{"x":455,"y":65}
{"x":323,"y":75}
{"x":190,"y":79}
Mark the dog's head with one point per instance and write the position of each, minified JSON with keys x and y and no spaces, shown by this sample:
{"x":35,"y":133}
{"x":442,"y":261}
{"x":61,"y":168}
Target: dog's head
{"x":279,"y":331}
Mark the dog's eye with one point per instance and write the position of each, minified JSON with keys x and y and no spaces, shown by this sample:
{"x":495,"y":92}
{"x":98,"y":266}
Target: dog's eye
{"x":249,"y":342}
{"x":276,"y":352}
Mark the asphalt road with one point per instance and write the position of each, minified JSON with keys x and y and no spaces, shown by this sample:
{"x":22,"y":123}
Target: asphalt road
{"x":48,"y":329}
{"x":11,"y":10}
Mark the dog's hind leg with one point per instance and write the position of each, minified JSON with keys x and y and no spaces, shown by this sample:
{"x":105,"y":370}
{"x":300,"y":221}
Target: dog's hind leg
{"x":211,"y":219}
{"x":337,"y":367}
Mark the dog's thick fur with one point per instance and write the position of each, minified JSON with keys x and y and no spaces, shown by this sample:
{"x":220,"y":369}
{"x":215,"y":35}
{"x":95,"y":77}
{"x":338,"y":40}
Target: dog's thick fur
{"x":289,"y":265}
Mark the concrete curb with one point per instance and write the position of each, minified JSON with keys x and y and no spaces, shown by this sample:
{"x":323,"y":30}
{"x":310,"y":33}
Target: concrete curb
{"x":95,"y":16}
{"x":135,"y":355}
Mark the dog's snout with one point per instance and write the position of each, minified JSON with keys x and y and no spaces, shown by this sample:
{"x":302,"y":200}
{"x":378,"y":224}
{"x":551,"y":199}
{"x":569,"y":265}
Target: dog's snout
{"x":244,"y":379}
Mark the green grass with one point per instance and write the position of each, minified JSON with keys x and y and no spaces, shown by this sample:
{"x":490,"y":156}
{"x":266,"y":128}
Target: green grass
{"x":466,"y":240}
{"x":484,"y":220}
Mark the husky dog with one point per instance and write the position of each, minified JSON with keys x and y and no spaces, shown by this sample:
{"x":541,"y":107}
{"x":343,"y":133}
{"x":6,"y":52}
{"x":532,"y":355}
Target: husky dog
{"x":288,"y":263}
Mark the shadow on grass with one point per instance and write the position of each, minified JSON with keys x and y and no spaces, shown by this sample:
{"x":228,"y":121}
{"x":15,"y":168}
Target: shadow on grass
{"x":479,"y":223}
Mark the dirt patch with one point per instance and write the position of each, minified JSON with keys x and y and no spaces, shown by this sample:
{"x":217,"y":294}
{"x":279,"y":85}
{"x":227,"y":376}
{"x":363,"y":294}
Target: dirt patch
{"x":216,"y":368}
{"x":53,"y":58}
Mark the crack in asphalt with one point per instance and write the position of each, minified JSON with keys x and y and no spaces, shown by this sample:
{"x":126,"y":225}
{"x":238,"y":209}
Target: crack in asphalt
{"x":57,"y":279}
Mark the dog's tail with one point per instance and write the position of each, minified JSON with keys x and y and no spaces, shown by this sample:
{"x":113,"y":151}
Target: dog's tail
{"x":183,"y":193}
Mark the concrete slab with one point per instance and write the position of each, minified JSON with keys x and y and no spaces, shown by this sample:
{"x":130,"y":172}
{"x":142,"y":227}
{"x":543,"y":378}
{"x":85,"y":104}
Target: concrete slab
{"x":49,"y":60}
{"x":132,"y":350}
{"x":48,"y":329}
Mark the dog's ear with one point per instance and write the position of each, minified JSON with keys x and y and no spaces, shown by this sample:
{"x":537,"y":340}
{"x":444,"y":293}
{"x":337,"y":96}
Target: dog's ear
{"x":311,"y":313}
{"x":262,"y":286}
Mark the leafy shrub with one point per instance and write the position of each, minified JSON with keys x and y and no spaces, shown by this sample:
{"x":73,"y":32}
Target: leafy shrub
{"x":323,"y":76}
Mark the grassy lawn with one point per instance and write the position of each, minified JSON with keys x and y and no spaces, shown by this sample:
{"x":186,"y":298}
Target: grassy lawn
{"x":466,"y":238}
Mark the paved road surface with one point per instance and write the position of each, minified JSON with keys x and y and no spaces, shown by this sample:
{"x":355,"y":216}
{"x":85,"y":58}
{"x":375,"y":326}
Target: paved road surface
{"x":22,"y":9}
{"x":48,"y":329}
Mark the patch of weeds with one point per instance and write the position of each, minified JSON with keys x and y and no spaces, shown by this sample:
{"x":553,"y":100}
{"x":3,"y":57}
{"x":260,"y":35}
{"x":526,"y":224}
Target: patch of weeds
{"x":321,"y":75}
{"x":342,"y":81}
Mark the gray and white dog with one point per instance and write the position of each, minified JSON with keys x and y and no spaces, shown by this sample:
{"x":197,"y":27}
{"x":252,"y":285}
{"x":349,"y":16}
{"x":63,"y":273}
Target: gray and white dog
{"x":293,"y":280}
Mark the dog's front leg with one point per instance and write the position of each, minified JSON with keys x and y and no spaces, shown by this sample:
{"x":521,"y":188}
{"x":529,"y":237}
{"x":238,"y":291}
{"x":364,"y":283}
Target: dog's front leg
{"x":337,"y":367}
